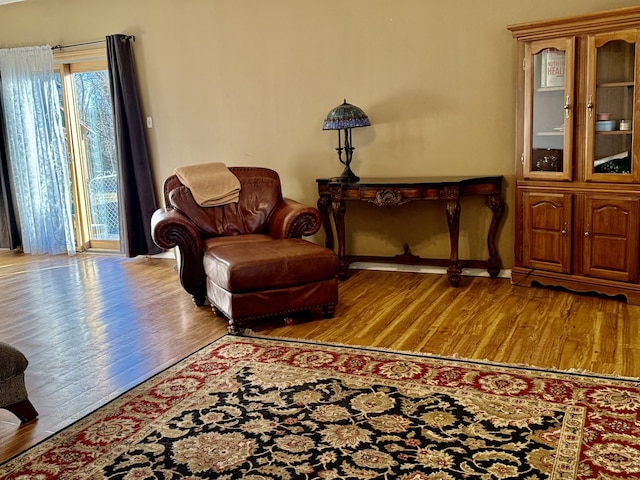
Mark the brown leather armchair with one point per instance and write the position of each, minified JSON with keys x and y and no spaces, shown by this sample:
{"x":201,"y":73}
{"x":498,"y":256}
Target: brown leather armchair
{"x":216,"y":239}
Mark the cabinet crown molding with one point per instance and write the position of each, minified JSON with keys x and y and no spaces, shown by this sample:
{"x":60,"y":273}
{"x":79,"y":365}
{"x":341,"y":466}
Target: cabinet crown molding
{"x":588,"y":23}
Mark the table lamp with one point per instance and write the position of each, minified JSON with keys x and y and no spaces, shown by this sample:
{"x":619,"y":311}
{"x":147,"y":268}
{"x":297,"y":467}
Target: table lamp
{"x":343,"y":118}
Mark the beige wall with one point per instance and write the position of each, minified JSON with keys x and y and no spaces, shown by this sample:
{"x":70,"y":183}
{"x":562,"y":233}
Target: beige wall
{"x":248,"y":82}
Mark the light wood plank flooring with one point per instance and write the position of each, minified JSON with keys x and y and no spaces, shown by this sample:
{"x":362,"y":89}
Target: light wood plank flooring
{"x":93,"y":326}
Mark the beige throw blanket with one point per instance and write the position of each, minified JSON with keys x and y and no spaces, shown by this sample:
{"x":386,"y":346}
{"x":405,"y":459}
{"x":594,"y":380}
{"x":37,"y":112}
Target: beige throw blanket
{"x":211,"y":184}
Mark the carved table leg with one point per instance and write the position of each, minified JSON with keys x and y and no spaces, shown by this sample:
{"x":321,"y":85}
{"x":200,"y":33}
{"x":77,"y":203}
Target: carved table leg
{"x":339,"y":208}
{"x":496,"y":204}
{"x":324,"y":202}
{"x":453,"y":220}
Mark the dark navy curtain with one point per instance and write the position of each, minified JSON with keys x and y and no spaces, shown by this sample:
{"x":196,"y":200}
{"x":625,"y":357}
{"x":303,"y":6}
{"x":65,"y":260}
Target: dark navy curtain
{"x":136,"y":194}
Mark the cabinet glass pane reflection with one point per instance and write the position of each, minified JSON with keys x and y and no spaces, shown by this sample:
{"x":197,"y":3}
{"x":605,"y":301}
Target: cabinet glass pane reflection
{"x":614,"y":96}
{"x":548,"y":111}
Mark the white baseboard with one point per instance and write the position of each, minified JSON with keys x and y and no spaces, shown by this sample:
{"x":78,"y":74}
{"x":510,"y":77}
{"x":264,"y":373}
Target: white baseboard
{"x":393,"y":267}
{"x":168,"y":254}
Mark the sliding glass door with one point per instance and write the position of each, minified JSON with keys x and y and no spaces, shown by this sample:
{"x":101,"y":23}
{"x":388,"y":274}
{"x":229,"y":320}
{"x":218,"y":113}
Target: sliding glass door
{"x":84,"y":87}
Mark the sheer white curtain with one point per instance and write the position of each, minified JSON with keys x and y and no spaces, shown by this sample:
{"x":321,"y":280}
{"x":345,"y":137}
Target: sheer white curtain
{"x":37,"y":150}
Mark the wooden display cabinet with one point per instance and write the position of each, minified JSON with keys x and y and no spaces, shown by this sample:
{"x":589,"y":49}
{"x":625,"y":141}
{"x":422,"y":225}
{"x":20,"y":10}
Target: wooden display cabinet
{"x":577,"y":153}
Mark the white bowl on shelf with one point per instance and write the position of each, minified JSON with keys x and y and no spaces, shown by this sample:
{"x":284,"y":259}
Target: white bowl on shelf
{"x":605,"y":125}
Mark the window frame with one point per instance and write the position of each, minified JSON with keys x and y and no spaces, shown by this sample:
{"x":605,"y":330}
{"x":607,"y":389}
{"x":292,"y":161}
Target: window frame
{"x":67,"y":63}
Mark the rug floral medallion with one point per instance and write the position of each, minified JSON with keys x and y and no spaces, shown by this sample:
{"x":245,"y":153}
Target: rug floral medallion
{"x":257,"y":408}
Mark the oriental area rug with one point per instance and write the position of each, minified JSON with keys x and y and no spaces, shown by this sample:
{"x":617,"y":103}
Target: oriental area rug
{"x":257,"y":408}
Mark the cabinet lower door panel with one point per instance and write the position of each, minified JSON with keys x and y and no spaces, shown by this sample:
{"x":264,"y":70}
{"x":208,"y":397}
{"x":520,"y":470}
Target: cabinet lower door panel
{"x":611,"y":238}
{"x":546,"y":232}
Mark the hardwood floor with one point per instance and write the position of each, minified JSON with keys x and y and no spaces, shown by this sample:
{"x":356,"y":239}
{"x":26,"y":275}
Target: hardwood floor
{"x":93,"y":326}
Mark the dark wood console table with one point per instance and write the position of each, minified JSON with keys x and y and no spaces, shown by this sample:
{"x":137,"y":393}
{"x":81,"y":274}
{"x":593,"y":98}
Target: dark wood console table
{"x":392,"y":192}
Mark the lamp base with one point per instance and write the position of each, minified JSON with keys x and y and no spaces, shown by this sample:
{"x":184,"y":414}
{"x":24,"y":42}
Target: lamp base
{"x":348,"y":176}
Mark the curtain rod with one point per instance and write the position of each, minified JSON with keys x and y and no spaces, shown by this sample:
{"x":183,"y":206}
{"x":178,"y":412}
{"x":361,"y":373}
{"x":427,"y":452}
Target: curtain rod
{"x":60,"y":47}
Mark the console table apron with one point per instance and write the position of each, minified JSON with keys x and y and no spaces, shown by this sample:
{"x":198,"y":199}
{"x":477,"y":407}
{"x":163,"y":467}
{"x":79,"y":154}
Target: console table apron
{"x":392,"y":192}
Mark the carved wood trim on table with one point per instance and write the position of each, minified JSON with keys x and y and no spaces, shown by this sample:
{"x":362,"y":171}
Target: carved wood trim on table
{"x":394,"y":192}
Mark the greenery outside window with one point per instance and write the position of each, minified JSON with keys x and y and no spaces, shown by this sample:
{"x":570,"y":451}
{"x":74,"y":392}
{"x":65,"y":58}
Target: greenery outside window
{"x":88,"y":114}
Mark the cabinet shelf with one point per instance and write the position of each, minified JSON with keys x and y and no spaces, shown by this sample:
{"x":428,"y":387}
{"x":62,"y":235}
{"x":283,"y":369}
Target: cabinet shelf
{"x":550,"y":89}
{"x":615,"y":84}
{"x":615,"y":132}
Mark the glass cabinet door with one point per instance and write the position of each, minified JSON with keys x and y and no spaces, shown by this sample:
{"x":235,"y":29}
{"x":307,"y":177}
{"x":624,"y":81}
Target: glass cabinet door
{"x":549,"y":109}
{"x":612,"y":69}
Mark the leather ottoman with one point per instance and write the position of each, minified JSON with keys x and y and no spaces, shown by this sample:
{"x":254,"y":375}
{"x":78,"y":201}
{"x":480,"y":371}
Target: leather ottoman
{"x":249,"y":281}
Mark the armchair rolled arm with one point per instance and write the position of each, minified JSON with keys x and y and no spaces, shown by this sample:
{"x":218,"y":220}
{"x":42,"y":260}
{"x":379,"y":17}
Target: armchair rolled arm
{"x":169,"y":229}
{"x":292,"y":219}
